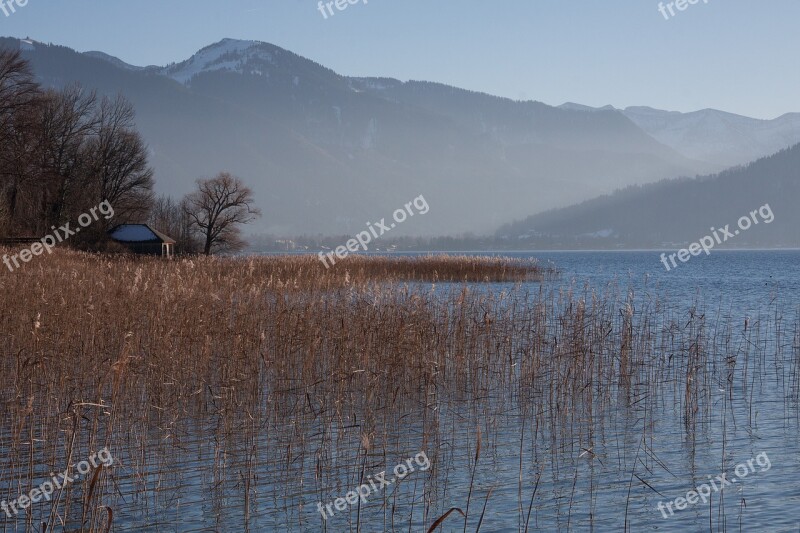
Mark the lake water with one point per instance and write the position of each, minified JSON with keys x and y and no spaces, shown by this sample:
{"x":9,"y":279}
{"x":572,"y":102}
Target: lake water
{"x":630,"y":477}
{"x":638,"y":460}
{"x":624,"y":465}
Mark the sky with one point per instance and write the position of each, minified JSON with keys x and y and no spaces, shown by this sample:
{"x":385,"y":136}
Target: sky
{"x":736,"y":55}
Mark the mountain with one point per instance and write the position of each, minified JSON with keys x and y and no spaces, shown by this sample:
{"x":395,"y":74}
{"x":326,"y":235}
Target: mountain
{"x":673,"y":213}
{"x":580,"y":107}
{"x":716,"y":137}
{"x":110,"y":59}
{"x":325,"y":152}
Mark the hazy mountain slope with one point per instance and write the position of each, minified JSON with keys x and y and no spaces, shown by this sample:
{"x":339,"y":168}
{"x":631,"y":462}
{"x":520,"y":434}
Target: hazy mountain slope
{"x":561,"y":146}
{"x":678,"y":211}
{"x":512,"y":122}
{"x":113,"y":60}
{"x":719,"y":138}
{"x":192,"y":136}
{"x":328,"y":153}
{"x":431,"y":143}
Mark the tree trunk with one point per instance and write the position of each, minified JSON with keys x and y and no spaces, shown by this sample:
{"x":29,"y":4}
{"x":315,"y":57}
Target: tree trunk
{"x":207,"y":248}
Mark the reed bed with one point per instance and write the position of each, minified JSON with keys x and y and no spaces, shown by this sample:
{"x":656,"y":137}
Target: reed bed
{"x":270,"y":383}
{"x":444,"y":268}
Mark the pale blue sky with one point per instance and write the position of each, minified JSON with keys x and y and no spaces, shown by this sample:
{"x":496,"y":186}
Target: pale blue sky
{"x":736,"y":55}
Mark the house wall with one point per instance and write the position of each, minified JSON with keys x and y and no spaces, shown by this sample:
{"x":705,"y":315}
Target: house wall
{"x":143,"y":248}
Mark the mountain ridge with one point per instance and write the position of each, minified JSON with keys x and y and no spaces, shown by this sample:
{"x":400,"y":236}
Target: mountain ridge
{"x":323,"y":150}
{"x":720,"y":138}
{"x":644,"y":216}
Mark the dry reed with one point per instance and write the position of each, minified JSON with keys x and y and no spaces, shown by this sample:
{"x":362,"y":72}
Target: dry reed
{"x":209,"y":363}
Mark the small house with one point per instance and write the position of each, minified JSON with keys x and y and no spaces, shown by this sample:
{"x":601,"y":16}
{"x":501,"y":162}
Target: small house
{"x":144,"y":240}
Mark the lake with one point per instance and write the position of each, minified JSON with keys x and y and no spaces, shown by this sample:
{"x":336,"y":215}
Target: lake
{"x":615,"y":395}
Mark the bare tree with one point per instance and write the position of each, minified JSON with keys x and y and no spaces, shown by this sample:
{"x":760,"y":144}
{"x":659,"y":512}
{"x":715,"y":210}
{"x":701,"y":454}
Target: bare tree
{"x":20,"y":175}
{"x":18,"y":89}
{"x":117,"y":167}
{"x":216,"y":210}
{"x":68,"y":120}
{"x":170,"y":216}
{"x":19,"y":95}
{"x":63,"y":151}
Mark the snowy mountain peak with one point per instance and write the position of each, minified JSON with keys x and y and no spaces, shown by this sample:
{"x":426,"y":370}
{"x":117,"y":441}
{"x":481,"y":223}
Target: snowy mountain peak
{"x":233,"y":55}
{"x":228,"y":44}
{"x":29,"y":45}
{"x":718,"y":137}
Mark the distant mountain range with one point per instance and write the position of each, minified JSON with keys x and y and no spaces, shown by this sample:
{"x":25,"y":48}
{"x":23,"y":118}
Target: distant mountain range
{"x":326,"y":153}
{"x":674,"y":213}
{"x":716,"y":137}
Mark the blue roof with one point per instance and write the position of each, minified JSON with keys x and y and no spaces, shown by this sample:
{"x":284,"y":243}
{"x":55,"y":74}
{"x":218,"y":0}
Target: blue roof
{"x":138,"y":233}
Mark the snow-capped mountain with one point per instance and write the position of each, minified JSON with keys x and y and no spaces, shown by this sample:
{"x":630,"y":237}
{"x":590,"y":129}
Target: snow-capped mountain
{"x":324,"y":150}
{"x":717,"y":137}
{"x":229,"y":55}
